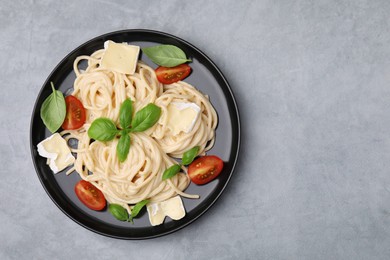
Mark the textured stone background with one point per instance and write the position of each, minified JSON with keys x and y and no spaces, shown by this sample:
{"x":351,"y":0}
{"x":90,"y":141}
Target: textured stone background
{"x":313,"y":86}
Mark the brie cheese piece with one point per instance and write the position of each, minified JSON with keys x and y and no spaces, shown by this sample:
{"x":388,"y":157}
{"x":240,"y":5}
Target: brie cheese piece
{"x":182,"y":117}
{"x":172,"y":208}
{"x":57,"y":152}
{"x":156,"y":215}
{"x":120,"y":57}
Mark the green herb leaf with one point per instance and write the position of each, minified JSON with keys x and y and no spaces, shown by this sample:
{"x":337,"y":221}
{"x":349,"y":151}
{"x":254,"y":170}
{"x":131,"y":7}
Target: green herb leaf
{"x":119,"y":212}
{"x":171,"y":171}
{"x":124,"y":131}
{"x":53,"y":110}
{"x":190,"y":155}
{"x":102,"y":129}
{"x":137,"y":208}
{"x":126,"y":113}
{"x":145,"y":118}
{"x":123,"y":146}
{"x":166,"y":55}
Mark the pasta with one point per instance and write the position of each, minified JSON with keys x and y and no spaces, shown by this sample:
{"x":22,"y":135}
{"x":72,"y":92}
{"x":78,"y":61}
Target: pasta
{"x":202,"y":134}
{"x":102,"y":91}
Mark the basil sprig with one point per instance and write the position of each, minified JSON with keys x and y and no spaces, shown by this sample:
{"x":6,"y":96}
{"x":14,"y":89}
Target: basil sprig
{"x":120,"y":213}
{"x":166,"y":55}
{"x":188,"y":157}
{"x":125,"y":113}
{"x":123,"y":146}
{"x":53,"y":110}
{"x":145,"y":118}
{"x":137,"y":208}
{"x":104,"y":129}
{"x":171,"y":171}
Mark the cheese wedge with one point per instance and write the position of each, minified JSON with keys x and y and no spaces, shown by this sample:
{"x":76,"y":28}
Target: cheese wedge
{"x":182,"y":117}
{"x":57,"y":152}
{"x":156,"y":215}
{"x":172,"y":208}
{"x":120,"y":57}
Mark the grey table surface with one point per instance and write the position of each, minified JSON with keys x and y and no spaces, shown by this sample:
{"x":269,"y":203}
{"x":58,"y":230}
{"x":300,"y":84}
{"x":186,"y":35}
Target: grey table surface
{"x":312,"y":82}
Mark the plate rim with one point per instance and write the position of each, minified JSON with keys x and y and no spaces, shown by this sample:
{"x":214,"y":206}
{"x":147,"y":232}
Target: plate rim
{"x":226,"y":86}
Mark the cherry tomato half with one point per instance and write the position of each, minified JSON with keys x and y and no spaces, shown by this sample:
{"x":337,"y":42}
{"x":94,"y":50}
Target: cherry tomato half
{"x":171,"y":75}
{"x":75,"y":114}
{"x":89,"y":195}
{"x":205,"y":169}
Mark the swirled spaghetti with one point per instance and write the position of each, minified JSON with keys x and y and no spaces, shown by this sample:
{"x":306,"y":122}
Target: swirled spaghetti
{"x":203,"y":131}
{"x":139,"y":177}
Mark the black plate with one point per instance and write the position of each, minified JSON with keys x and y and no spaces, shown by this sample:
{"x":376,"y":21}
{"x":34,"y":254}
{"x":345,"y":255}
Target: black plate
{"x":205,"y":76}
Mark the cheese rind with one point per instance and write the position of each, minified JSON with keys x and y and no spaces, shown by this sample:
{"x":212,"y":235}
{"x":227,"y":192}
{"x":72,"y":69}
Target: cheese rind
{"x":56,"y":150}
{"x":120,"y":57}
{"x":156,"y":215}
{"x":172,"y":208}
{"x":182,"y":117}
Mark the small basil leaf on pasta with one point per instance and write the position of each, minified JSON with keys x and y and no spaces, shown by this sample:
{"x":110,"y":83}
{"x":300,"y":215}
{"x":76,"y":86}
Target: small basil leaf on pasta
{"x":166,"y":55}
{"x":123,"y":146}
{"x":190,"y":155}
{"x":53,"y":110}
{"x":145,"y":118}
{"x":171,"y":171}
{"x":102,"y":129}
{"x":137,"y":208}
{"x":119,"y":212}
{"x":125,"y":113}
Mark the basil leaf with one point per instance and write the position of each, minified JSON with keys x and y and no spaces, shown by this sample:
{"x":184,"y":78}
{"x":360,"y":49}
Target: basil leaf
{"x":119,"y":212}
{"x":145,"y":118}
{"x":166,"y":55}
{"x":125,"y":113}
{"x":190,"y":155}
{"x":123,"y":146}
{"x":171,"y":171}
{"x":137,"y":208}
{"x":102,"y":129}
{"x":53,"y":110}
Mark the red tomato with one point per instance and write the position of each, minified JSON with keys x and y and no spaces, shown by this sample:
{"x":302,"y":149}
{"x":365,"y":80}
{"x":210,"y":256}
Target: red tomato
{"x":91,"y":196}
{"x":75,"y":114}
{"x":205,"y":169}
{"x":171,"y":75}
